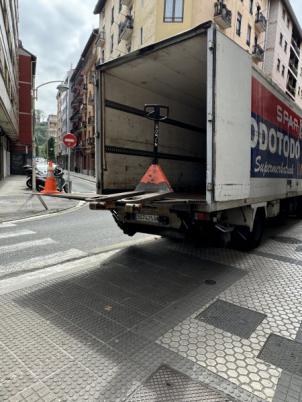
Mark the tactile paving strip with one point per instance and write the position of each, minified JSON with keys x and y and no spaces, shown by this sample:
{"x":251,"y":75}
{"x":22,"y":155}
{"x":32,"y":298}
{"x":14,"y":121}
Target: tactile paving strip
{"x":168,"y":385}
{"x":231,"y":318}
{"x":284,"y":353}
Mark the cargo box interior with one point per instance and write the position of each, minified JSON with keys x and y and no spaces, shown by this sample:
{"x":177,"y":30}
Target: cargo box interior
{"x":174,"y":75}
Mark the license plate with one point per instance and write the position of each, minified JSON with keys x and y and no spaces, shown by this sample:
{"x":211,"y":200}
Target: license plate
{"x":146,"y":218}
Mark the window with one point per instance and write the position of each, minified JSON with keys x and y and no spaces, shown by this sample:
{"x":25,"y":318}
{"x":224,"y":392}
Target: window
{"x":251,"y":6}
{"x":283,"y":13}
{"x":281,"y":39}
{"x":120,"y":6}
{"x":142,"y":35}
{"x":174,"y":11}
{"x":112,"y":43}
{"x":283,"y":70}
{"x":285,"y":46}
{"x":278,"y":64}
{"x":288,"y":22}
{"x":103,"y":57}
{"x":238,"y":24}
{"x":112,"y":15}
{"x":248,"y":36}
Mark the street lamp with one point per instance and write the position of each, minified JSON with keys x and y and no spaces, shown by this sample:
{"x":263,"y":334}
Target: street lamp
{"x":61,"y":87}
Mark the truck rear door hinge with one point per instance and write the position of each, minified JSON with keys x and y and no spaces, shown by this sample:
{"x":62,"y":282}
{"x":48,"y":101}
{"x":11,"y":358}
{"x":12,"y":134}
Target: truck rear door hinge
{"x":210,"y":117}
{"x":211,"y":45}
{"x":210,"y":187}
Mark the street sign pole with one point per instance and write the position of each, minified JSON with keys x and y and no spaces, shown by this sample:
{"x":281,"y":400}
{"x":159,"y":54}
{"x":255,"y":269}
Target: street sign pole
{"x":68,"y":172}
{"x":70,"y":141}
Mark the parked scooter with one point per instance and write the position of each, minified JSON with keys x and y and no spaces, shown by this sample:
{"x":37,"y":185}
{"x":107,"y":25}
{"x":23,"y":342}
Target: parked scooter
{"x":62,"y":185}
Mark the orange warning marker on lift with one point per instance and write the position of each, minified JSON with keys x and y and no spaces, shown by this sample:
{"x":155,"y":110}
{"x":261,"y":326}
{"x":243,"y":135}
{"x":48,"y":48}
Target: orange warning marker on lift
{"x":50,"y":183}
{"x":155,"y":180}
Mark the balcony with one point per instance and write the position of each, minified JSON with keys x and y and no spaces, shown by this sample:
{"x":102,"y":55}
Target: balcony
{"x":258,"y":53}
{"x":91,"y":120}
{"x":101,"y":39}
{"x":260,"y":22}
{"x":296,"y":47}
{"x":127,"y":3}
{"x":293,"y":67}
{"x":222,"y":15}
{"x":126,"y":29}
{"x":91,"y":141}
{"x":91,"y":100}
{"x":291,"y":90}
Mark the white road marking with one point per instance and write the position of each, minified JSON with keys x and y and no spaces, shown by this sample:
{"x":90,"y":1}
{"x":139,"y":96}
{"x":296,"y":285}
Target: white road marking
{"x":7,"y":235}
{"x":42,"y":261}
{"x":56,"y":271}
{"x":6,"y":225}
{"x":27,"y":244}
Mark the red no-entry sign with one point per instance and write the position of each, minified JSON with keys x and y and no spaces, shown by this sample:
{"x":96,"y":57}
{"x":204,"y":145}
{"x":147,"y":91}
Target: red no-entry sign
{"x":70,"y":140}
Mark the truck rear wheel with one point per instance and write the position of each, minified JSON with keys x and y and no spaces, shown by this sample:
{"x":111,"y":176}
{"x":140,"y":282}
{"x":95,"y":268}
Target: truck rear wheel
{"x":244,"y":239}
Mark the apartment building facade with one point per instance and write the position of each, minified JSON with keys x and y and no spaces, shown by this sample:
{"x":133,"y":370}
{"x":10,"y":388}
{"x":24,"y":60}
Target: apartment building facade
{"x":283,"y":60}
{"x":83,"y":106}
{"x":127,"y":25}
{"x":21,"y":150}
{"x":9,"y":96}
{"x":64,"y":99}
{"x":256,"y":25}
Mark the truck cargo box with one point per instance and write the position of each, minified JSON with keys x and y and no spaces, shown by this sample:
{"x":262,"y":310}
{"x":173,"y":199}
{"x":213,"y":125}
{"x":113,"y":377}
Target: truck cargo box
{"x":232,"y":139}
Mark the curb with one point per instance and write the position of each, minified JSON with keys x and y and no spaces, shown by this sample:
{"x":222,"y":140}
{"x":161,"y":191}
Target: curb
{"x":49,"y":214}
{"x":92,"y":180}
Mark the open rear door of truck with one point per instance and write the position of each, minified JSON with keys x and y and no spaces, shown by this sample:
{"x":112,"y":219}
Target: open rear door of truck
{"x":232,"y":131}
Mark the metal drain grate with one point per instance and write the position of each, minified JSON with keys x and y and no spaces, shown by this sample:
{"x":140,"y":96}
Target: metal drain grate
{"x":168,"y":385}
{"x":287,"y":240}
{"x":231,"y":318}
{"x":284,"y":353}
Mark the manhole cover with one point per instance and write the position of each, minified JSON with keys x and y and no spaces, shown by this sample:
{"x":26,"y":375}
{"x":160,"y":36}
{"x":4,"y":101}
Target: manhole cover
{"x":231,"y":318}
{"x":287,"y":240}
{"x":284,"y":353}
{"x":168,"y":385}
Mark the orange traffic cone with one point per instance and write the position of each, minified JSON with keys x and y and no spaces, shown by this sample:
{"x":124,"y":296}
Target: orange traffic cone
{"x":50,"y":183}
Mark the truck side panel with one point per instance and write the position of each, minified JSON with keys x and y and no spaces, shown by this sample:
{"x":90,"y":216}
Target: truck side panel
{"x":275,"y":142}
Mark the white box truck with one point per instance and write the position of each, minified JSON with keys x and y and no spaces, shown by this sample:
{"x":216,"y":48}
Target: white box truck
{"x":231,"y":147}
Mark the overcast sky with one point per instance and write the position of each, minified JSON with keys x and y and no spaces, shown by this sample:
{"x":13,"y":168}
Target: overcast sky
{"x":56,"y":31}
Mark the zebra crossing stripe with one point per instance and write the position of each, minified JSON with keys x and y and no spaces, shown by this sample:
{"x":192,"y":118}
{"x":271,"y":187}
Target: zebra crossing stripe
{"x":6,"y":225}
{"x":7,"y":235}
{"x":24,"y":245}
{"x":42,"y":261}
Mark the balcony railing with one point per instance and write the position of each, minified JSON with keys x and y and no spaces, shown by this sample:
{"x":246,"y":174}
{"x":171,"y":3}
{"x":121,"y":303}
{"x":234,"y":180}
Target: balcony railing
{"x":291,"y":89}
{"x":295,"y":46}
{"x":260,"y":22}
{"x":222,"y":15}
{"x":258,"y":53}
{"x":293,"y":67}
{"x":127,"y":3}
{"x":126,"y":28}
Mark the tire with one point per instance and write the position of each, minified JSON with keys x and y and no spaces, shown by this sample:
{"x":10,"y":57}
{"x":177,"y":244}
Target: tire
{"x":246,"y":240}
{"x":65,"y":188}
{"x":29,"y":183}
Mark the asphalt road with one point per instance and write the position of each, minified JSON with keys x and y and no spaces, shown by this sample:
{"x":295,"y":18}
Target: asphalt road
{"x":54,"y":238}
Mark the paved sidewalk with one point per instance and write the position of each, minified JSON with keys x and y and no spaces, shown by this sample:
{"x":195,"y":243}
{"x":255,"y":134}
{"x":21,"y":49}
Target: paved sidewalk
{"x":81,"y":176}
{"x":16,"y":203}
